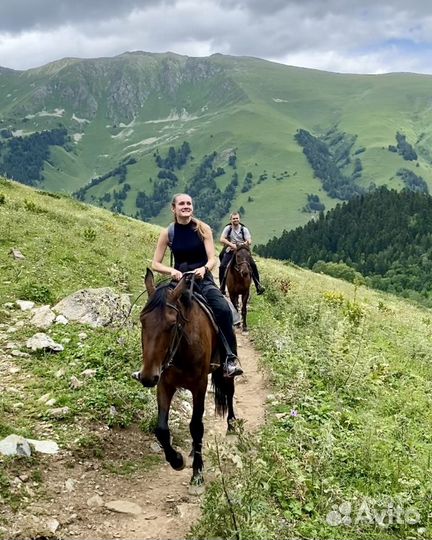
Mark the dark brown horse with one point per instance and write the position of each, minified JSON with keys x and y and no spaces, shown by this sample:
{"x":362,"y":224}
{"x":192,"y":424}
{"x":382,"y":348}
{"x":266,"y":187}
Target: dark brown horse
{"x":238,"y":280}
{"x":180,"y":346}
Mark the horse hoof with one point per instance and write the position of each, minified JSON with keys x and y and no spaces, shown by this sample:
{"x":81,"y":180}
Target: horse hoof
{"x":196,"y":486}
{"x":178,"y":463}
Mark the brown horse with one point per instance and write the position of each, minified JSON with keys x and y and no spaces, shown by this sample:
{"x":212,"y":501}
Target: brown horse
{"x":239,"y":278}
{"x":180,"y":346}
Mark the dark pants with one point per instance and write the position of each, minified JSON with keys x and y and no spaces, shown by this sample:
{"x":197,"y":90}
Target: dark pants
{"x":222,"y":312}
{"x":228,"y":255}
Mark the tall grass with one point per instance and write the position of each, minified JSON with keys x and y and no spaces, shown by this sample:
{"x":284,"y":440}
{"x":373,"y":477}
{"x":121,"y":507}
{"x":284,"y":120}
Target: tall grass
{"x":347,"y":447}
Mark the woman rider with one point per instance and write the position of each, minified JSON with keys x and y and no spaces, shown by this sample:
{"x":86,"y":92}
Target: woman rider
{"x":193,"y":249}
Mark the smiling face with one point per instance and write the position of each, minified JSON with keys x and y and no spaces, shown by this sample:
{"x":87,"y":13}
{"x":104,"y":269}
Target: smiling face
{"x":182,"y":208}
{"x":235,"y":219}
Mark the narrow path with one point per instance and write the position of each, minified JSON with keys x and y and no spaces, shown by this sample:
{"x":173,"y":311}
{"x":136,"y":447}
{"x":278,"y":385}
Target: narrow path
{"x":168,"y":508}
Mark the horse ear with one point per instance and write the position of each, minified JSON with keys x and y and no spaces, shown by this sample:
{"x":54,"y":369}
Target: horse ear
{"x":149,"y":282}
{"x":178,"y":291}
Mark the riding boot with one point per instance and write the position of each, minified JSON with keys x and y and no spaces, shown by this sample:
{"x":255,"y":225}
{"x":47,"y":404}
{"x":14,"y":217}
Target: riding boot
{"x":259,"y":288}
{"x":232,"y":367}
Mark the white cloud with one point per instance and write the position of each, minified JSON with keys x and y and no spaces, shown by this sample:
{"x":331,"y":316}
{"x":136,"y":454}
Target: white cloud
{"x":334,"y":35}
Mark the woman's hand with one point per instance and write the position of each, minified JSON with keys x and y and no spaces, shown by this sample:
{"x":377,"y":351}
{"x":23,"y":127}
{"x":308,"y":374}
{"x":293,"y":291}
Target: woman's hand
{"x":176,"y":274}
{"x":200,"y":272}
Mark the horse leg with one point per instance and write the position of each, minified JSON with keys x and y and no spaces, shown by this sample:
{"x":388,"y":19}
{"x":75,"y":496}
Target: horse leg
{"x":234,"y":299}
{"x":196,"y":427}
{"x":164,"y":396}
{"x":229,"y":392}
{"x":245,"y":298}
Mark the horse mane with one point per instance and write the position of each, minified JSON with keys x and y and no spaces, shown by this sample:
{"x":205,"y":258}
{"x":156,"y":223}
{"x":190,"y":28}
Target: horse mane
{"x":159,"y":299}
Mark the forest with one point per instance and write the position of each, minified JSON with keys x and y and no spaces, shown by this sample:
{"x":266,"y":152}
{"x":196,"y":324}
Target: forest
{"x":384,"y":236}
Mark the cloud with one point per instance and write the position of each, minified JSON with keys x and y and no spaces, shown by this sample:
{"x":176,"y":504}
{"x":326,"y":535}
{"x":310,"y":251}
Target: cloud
{"x":333,"y":35}
{"x":21,"y":15}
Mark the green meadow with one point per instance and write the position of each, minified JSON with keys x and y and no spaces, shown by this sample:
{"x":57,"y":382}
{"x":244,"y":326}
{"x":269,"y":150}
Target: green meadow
{"x":346,"y":448}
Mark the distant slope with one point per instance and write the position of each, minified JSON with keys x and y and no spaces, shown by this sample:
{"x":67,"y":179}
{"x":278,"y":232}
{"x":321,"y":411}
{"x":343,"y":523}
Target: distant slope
{"x":385,"y":235}
{"x":136,"y":103}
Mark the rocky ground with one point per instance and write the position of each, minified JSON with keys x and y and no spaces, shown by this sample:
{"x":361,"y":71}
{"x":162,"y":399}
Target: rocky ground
{"x":129,"y":492}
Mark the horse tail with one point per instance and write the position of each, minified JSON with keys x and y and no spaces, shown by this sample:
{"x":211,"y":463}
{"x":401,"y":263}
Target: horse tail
{"x":220,"y":389}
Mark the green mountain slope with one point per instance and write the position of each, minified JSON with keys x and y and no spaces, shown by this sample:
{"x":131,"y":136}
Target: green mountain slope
{"x":348,"y":418}
{"x":385,"y":235}
{"x":137,"y":103}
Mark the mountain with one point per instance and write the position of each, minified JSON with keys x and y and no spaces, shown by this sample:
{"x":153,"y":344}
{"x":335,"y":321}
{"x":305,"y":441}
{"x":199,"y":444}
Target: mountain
{"x":277,"y":142}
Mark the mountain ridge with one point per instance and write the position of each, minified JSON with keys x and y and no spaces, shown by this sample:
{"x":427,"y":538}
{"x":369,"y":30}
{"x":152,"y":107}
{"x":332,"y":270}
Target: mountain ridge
{"x":139,"y":103}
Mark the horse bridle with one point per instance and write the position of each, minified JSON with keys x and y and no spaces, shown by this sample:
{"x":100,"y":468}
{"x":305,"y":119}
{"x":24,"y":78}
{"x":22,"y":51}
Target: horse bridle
{"x":178,"y":330}
{"x":237,"y":265}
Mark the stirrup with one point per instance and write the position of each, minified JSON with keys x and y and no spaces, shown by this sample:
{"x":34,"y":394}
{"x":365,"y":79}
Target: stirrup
{"x":231,"y":367}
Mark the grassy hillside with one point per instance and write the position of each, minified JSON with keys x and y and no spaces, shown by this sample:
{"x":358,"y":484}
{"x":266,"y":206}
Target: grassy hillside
{"x":133,"y":104}
{"x":347,"y":446}
{"x":346,"y":449}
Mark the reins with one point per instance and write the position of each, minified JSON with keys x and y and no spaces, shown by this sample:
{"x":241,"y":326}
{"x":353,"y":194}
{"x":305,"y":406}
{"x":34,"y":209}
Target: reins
{"x":179,"y":327}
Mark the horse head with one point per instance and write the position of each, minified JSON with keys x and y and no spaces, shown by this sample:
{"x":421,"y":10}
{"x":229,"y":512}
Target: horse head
{"x":160,"y":329}
{"x":242,"y":260}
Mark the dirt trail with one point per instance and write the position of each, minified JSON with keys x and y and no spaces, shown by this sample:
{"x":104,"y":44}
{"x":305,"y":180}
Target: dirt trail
{"x":169,"y":489}
{"x":76,"y":491}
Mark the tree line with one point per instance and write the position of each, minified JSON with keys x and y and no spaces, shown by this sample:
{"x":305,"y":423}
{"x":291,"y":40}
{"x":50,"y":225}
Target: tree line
{"x":22,"y":158}
{"x":384,"y":235}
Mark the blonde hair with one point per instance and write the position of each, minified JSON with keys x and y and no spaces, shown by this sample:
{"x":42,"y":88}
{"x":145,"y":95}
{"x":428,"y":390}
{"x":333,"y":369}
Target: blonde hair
{"x":199,"y":226}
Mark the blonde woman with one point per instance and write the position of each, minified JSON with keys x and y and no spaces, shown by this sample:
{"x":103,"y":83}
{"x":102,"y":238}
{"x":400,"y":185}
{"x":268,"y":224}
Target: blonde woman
{"x":191,"y":242}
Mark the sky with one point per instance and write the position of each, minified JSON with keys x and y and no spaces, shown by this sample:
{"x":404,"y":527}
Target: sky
{"x":346,"y":36}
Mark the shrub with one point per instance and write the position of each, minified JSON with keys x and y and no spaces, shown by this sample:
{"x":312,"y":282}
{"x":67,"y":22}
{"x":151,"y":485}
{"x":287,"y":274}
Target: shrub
{"x":89,"y":234}
{"x":36,"y":293}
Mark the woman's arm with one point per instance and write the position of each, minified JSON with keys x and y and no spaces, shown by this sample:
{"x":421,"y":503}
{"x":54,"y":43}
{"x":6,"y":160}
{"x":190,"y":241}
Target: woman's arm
{"x":210,"y":250}
{"x":157,"y":262}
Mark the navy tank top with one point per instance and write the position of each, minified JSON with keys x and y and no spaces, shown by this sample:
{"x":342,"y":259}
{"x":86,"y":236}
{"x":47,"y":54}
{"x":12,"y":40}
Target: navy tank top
{"x":188,"y":248}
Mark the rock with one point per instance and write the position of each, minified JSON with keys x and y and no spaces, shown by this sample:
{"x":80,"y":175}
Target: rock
{"x":20,"y":354}
{"x":15,"y":445}
{"x":13,"y":369}
{"x":70,"y":485}
{"x":75,"y":383}
{"x":43,"y":317}
{"x":59,"y":373}
{"x":96,"y":307}
{"x":44,"y":447}
{"x":123,"y":507}
{"x":61,"y":319}
{"x":89,"y":373}
{"x":52,"y":525}
{"x":59,"y":412}
{"x":16,"y":254}
{"x":96,"y":501}
{"x":41,"y":341}
{"x":25,"y":305}
{"x":155,"y":447}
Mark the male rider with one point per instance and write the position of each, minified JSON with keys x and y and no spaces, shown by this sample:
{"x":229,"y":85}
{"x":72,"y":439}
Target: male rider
{"x":234,"y":234}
